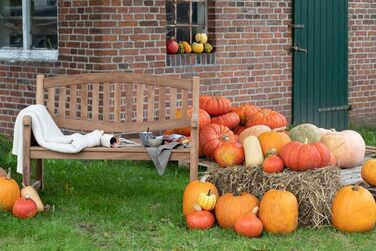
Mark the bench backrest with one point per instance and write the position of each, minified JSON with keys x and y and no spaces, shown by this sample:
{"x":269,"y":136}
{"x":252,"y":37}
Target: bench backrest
{"x":118,"y":102}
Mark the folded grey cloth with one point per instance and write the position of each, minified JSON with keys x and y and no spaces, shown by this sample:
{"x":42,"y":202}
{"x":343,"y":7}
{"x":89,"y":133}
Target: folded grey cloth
{"x":161,"y":155}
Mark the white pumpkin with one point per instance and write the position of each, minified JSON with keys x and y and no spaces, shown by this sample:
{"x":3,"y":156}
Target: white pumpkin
{"x":347,"y":146}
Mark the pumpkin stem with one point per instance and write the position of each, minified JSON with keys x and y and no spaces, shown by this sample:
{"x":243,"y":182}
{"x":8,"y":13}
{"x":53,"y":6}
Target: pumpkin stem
{"x":197,"y":207}
{"x":204,"y":178}
{"x":271,"y":152}
{"x":224,"y":137}
{"x":9,"y":175}
{"x":255,"y":210}
{"x":27,"y":196}
{"x":305,"y":140}
{"x":209,"y":192}
{"x":279,"y":129}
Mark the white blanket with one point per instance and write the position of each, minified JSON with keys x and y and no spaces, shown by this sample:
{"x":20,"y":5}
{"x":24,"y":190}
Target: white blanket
{"x":48,"y":135}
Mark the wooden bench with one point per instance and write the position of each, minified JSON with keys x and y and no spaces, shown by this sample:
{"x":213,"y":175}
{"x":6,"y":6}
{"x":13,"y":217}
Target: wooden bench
{"x":115,"y":102}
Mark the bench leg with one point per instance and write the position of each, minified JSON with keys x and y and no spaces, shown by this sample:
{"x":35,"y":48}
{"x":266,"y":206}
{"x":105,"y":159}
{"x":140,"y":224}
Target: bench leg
{"x":39,"y":172}
{"x":26,"y":175}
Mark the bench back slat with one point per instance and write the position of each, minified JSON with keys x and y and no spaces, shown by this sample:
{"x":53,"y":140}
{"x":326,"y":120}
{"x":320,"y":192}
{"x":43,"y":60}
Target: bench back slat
{"x":118,"y":102}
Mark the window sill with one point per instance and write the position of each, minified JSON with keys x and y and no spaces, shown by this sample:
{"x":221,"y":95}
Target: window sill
{"x":28,"y":55}
{"x":173,"y":60}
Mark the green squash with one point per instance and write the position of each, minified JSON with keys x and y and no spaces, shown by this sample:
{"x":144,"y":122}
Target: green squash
{"x":304,"y":133}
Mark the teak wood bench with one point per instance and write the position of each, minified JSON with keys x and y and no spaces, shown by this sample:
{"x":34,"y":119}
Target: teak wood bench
{"x":115,"y":102}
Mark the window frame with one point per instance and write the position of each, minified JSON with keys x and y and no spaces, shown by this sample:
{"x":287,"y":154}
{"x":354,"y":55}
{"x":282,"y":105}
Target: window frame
{"x":27,"y":53}
{"x":189,"y":25}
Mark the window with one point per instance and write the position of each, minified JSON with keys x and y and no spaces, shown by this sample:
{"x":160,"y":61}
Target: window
{"x":185,"y":18}
{"x":28,"y":29}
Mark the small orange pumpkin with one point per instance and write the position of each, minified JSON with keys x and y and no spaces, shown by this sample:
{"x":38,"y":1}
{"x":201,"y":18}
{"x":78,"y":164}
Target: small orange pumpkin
{"x":230,"y":206}
{"x":193,"y":191}
{"x":229,"y":154}
{"x":369,"y":172}
{"x":354,"y":209}
{"x":249,"y":225}
{"x":273,"y":141}
{"x":273,"y":164}
{"x":267,"y":117}
{"x":9,"y":192}
{"x":200,"y":219}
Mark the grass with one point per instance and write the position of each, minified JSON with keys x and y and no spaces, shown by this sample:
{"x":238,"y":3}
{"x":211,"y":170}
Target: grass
{"x":120,"y":205}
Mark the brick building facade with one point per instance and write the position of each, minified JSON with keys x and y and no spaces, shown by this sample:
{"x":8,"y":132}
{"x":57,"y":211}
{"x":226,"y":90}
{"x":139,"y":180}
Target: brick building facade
{"x":251,"y":63}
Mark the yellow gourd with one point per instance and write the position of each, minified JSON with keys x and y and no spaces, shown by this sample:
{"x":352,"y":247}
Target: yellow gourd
{"x":207,"y":200}
{"x":252,"y":151}
{"x":187,"y":47}
{"x":201,"y":38}
{"x":32,"y":193}
{"x":197,"y":48}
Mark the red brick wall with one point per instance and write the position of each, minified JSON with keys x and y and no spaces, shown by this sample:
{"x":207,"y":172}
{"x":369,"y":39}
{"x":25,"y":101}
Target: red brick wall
{"x":251,"y":63}
{"x":362,"y":61}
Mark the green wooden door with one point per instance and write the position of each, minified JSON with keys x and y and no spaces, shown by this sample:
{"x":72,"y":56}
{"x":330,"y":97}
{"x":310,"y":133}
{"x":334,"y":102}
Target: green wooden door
{"x":320,"y":90}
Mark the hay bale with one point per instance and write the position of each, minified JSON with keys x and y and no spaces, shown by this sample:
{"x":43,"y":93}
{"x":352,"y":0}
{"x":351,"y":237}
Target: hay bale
{"x":314,"y":189}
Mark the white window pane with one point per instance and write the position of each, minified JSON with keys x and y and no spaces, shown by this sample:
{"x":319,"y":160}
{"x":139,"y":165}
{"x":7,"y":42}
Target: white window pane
{"x":11,"y":23}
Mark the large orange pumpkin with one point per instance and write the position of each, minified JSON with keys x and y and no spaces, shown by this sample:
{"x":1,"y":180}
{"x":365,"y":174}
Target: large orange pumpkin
{"x":229,"y":154}
{"x":279,"y":212}
{"x":212,"y":136}
{"x":230,"y":119}
{"x":9,"y":192}
{"x":273,"y":140}
{"x":193,"y":191}
{"x":230,"y":206}
{"x":300,"y":157}
{"x":354,"y":209}
{"x":215,"y":105}
{"x":267,"y":117}
{"x":245,"y":111}
{"x":204,"y":119}
{"x":369,"y":172}
{"x":347,"y":146}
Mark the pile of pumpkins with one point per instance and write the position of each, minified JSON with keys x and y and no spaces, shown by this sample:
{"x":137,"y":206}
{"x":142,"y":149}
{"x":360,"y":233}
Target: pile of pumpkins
{"x":200,"y":45}
{"x":23,"y":203}
{"x":246,"y":134}
{"x":353,"y":210}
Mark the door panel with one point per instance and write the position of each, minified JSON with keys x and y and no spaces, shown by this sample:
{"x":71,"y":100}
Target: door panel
{"x":320,"y":90}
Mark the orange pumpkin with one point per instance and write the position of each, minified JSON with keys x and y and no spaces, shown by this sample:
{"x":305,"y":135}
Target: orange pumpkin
{"x":273,"y":141}
{"x":267,"y":117}
{"x":231,"y":206}
{"x":279,"y":212}
{"x":213,"y":136}
{"x":369,"y":172}
{"x":229,"y":154}
{"x":354,"y":209}
{"x":193,"y":191}
{"x":273,"y":164}
{"x":200,"y":219}
{"x":249,"y":225}
{"x":300,"y":157}
{"x":254,"y":131}
{"x":215,"y":105}
{"x":245,"y":111}
{"x":9,"y":192}
{"x":230,"y":119}
{"x":204,"y":119}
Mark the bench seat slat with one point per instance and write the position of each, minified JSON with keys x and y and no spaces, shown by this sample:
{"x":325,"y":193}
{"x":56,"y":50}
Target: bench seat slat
{"x":104,"y":153}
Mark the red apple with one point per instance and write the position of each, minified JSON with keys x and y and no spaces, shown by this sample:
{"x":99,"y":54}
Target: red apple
{"x":172,"y":46}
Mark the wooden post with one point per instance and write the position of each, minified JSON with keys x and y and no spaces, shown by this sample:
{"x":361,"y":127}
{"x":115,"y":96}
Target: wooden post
{"x":193,"y":170}
{"x":39,"y":90}
{"x":39,"y":172}
{"x":26,"y":175}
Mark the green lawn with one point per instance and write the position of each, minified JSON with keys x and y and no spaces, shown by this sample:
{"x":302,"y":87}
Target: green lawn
{"x":119,"y":205}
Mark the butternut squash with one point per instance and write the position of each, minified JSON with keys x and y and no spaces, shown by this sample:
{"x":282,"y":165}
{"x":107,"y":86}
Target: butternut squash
{"x":32,"y":193}
{"x":252,"y":151}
